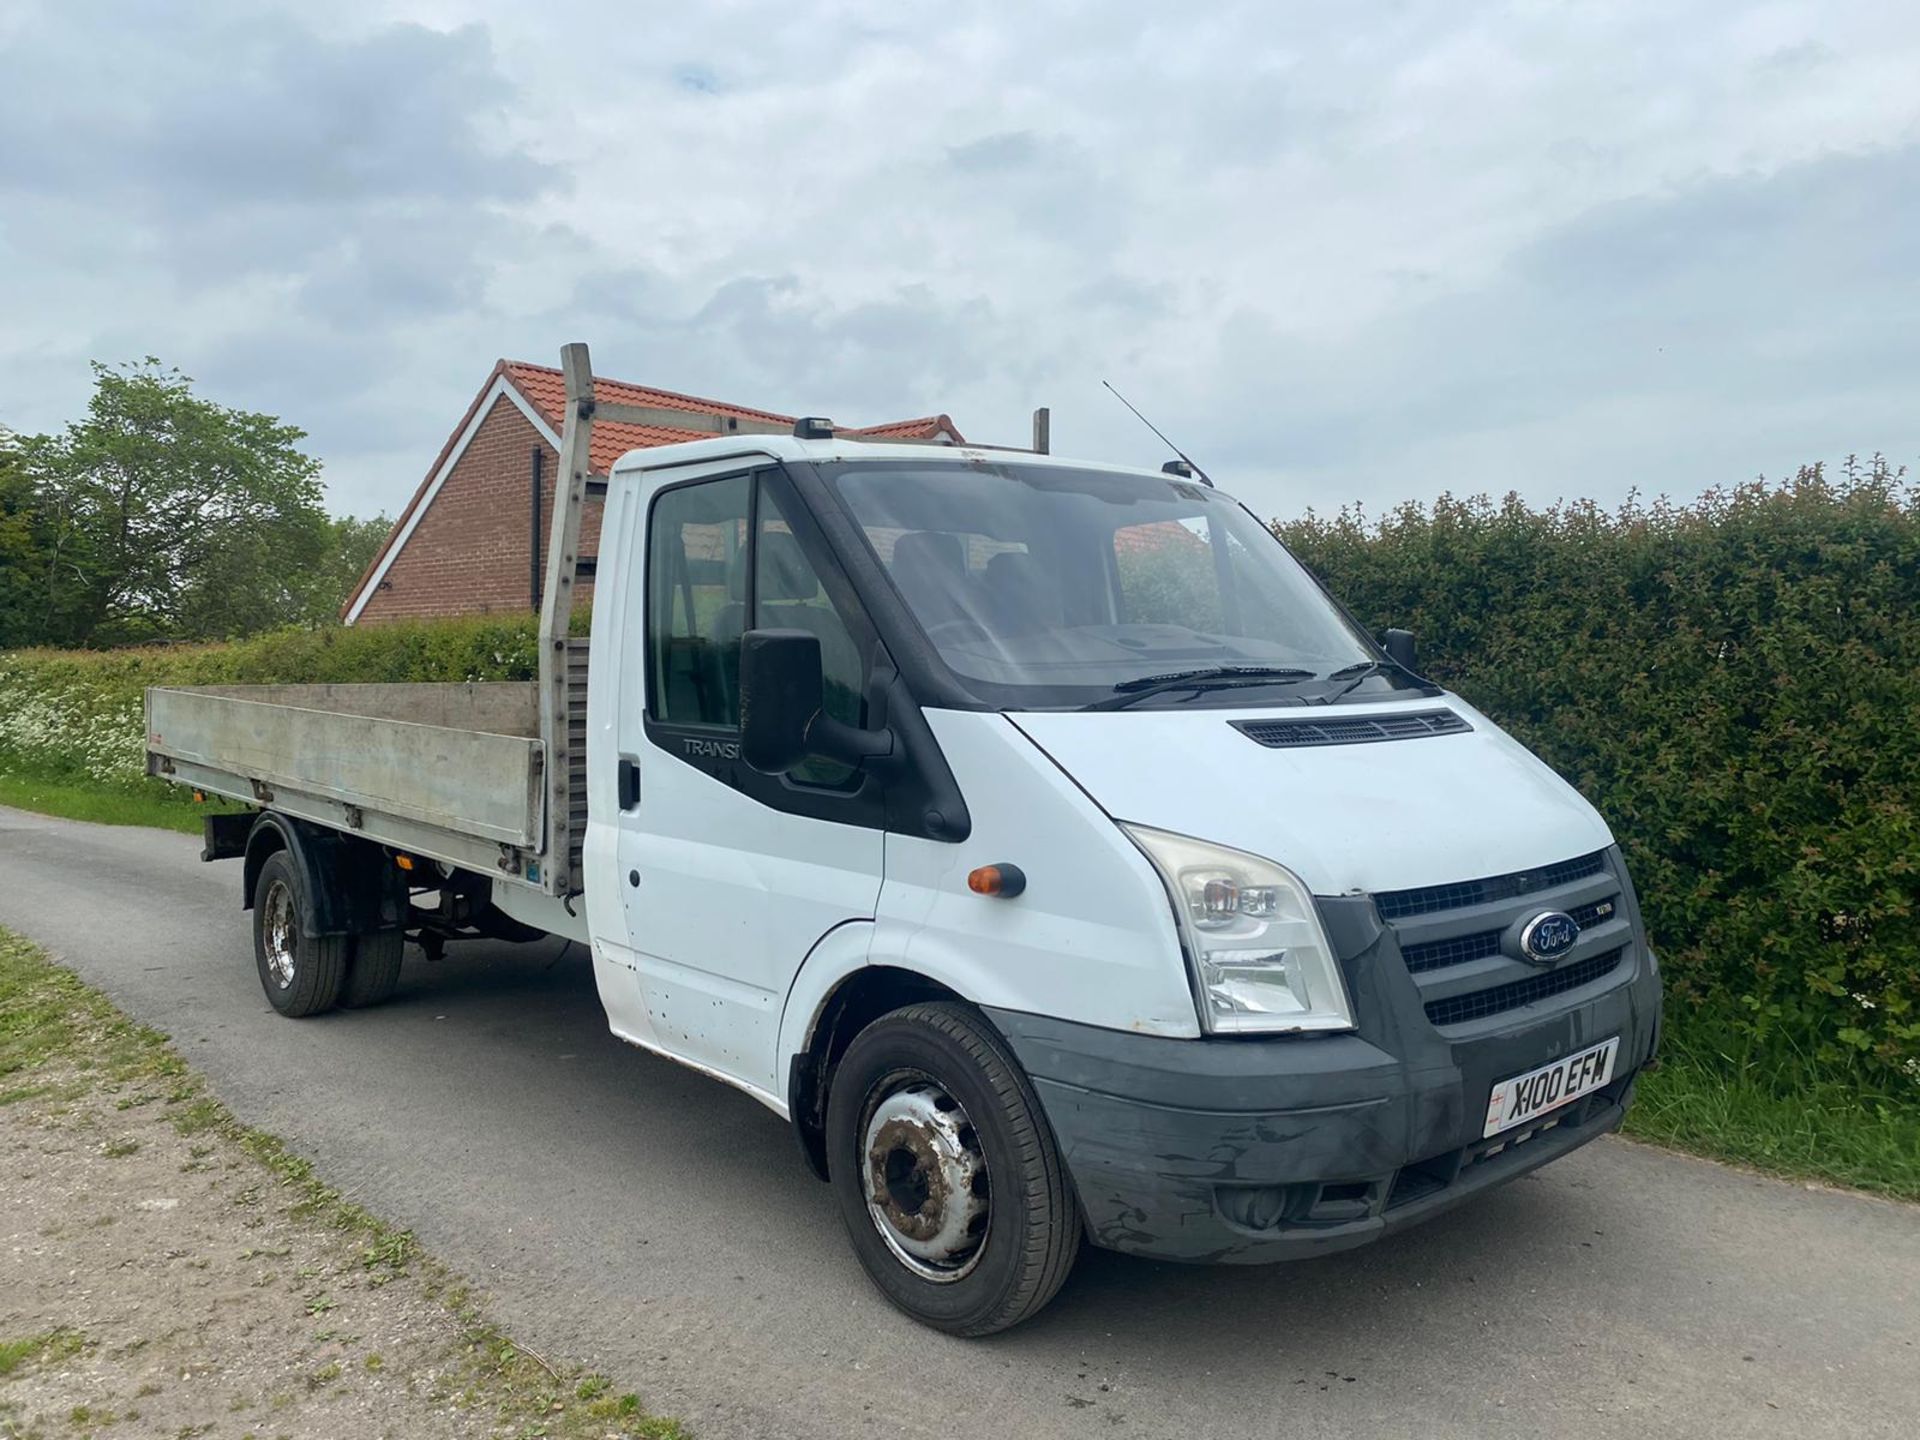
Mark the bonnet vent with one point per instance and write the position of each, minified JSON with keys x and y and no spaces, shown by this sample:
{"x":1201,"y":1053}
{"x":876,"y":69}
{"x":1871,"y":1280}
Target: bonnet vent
{"x":1351,"y":730}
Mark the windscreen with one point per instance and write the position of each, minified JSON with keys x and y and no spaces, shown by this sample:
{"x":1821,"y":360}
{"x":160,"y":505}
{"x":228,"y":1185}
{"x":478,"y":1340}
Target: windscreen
{"x":1044,"y":586}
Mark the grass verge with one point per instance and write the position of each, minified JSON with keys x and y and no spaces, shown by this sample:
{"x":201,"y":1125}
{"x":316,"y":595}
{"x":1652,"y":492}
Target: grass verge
{"x":85,"y":800}
{"x":1780,"y":1114}
{"x":61,"y":1038}
{"x":54,"y":1344}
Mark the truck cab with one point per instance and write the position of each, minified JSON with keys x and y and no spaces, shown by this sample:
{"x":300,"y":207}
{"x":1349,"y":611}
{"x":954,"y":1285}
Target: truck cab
{"x":1049,"y":847}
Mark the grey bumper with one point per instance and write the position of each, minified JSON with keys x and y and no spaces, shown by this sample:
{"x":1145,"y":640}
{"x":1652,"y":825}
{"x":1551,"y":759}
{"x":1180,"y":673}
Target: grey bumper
{"x":1246,"y":1151}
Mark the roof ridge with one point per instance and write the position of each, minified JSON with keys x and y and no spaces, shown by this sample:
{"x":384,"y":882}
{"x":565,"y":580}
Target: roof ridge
{"x":938,"y":419}
{"x":713,"y":405}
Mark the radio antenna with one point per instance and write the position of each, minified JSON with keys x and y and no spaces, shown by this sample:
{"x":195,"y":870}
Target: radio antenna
{"x":1185,"y":459}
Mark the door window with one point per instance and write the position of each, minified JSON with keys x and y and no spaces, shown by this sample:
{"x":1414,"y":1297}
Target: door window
{"x":696,"y":601}
{"x":788,"y":595}
{"x":707,"y":586}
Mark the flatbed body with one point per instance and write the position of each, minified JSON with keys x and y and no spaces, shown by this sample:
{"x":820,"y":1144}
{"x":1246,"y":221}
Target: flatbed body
{"x":446,"y":772}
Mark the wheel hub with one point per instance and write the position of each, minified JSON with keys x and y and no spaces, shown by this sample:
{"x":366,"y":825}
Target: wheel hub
{"x":926,"y":1179}
{"x":278,"y":933}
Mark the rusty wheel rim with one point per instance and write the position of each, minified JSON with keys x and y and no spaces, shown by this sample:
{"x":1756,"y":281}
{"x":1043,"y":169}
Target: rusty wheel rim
{"x":925,"y":1177}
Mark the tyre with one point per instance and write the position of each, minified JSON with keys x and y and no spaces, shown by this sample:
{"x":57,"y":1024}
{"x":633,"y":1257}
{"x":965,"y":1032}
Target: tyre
{"x":300,"y":974}
{"x":946,"y":1172}
{"x":373,"y":969}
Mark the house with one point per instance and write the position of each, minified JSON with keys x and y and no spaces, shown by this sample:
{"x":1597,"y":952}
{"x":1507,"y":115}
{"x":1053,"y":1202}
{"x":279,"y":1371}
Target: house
{"x":470,"y":541}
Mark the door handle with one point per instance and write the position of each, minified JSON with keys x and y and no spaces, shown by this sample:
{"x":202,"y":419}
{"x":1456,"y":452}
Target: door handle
{"x":629,"y":782}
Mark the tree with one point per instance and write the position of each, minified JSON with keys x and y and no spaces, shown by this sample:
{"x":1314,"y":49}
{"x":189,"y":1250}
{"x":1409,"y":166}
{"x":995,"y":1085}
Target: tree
{"x":351,"y":546}
{"x":21,"y":560}
{"x":165,"y":516}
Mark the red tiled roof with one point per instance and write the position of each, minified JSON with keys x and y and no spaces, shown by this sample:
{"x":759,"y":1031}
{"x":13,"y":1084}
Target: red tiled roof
{"x":1156,"y":535}
{"x":927,"y":427}
{"x":545,"y":389}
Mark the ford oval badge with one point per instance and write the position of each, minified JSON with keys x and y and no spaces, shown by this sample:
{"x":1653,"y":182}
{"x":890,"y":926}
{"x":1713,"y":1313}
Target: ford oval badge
{"x":1548,"y":936}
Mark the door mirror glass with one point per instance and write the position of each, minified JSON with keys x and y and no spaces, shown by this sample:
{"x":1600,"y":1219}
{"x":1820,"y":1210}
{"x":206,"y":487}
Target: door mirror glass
{"x":1401,"y":650}
{"x":779,"y":697}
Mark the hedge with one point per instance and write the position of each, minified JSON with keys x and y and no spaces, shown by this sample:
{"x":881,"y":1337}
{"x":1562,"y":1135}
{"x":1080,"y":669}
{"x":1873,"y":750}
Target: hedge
{"x":76,"y":715}
{"x":1735,"y":683}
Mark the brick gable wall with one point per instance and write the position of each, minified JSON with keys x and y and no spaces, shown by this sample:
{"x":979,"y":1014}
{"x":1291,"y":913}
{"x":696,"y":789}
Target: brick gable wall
{"x":469,"y":554}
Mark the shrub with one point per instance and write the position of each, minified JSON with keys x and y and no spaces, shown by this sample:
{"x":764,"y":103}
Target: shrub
{"x":1735,"y":683}
{"x":78,"y":714}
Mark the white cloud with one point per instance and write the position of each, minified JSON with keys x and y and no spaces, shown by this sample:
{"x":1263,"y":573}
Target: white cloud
{"x":1338,"y":253}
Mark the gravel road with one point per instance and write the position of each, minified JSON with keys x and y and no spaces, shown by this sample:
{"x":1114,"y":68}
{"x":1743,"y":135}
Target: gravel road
{"x":663,"y":1228}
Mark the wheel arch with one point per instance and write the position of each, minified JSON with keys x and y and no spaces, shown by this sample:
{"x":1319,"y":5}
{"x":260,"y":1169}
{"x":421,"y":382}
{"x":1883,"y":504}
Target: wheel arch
{"x":350,"y":888}
{"x":271,"y":833}
{"x":844,"y":1000}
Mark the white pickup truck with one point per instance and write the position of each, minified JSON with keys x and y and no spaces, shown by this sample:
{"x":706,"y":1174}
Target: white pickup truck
{"x":1038,"y":838}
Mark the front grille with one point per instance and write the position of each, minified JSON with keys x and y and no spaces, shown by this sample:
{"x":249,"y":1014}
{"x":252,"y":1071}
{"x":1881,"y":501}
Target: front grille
{"x":1351,"y":730}
{"x":1439,"y":954}
{"x":1589,"y":915}
{"x":1456,"y":1009}
{"x":1460,"y":949}
{"x":1399,"y":904}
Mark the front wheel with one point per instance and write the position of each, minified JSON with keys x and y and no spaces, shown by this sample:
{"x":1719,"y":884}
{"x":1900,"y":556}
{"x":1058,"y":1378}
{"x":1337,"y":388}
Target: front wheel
{"x":946,"y":1171}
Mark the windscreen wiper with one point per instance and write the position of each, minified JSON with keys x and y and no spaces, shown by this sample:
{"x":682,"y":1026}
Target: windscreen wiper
{"x":1209,"y":678}
{"x":1355,"y":675}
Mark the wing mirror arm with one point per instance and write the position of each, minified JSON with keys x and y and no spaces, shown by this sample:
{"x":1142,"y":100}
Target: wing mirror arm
{"x":849,"y":744}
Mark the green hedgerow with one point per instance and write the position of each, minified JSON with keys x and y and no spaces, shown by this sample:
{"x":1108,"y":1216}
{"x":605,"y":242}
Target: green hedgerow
{"x":78,"y":715}
{"x":1735,"y":683}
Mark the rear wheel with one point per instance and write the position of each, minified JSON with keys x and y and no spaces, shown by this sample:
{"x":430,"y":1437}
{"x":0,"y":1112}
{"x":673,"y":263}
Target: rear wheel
{"x":300,"y":973}
{"x":373,"y":969}
{"x":948,"y":1179}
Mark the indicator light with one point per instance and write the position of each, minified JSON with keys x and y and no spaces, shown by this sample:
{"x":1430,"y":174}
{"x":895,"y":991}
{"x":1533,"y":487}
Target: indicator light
{"x":1003,"y":881}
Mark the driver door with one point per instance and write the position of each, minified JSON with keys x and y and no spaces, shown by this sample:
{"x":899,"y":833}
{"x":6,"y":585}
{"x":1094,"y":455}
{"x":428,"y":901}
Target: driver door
{"x":733,"y":876}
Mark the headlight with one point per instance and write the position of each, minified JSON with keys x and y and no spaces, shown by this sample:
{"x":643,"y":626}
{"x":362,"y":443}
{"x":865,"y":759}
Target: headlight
{"x":1261,"y":960}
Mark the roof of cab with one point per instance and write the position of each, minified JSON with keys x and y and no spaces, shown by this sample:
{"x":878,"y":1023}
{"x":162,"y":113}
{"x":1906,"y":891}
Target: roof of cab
{"x":790,"y":447}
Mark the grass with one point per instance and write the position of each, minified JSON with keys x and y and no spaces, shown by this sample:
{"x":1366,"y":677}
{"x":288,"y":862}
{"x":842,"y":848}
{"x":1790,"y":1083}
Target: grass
{"x":54,"y":1027}
{"x":55,"y":1345}
{"x":87,"y":800}
{"x":1780,"y":1113}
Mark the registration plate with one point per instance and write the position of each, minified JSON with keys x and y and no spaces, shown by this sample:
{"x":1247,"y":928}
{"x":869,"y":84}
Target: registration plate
{"x":1526,"y":1097}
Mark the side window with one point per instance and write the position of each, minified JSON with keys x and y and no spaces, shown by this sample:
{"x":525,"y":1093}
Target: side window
{"x":696,"y":601}
{"x":1166,"y":575}
{"x":788,"y":595}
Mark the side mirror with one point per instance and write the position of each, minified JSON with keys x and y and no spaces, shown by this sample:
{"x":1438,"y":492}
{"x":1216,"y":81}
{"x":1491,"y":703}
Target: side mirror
{"x":782,"y":721}
{"x":1401,"y":649}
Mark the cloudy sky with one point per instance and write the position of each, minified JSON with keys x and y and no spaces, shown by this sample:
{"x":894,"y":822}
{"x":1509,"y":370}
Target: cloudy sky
{"x":1339,"y":251}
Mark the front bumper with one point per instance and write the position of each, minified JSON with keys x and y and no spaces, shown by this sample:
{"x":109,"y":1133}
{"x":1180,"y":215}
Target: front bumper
{"x":1254,"y":1150}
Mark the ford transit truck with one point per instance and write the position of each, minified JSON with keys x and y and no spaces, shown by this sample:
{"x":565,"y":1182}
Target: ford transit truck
{"x":1038,"y":839}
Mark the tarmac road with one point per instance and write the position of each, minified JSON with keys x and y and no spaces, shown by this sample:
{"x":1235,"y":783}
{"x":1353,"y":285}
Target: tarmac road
{"x":635,"y":1215}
